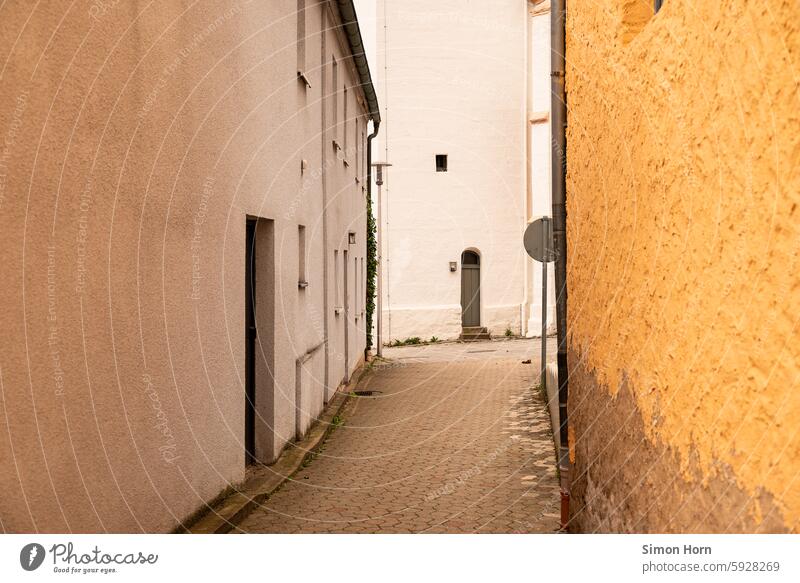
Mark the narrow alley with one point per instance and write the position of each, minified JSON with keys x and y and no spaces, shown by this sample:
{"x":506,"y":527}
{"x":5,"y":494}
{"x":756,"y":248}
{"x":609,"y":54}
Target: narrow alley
{"x":454,"y":438}
{"x":289,"y":267}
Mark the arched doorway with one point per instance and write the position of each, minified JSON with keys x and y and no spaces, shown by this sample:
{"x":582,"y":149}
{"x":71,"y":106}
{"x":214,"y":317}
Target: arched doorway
{"x":470,"y":289}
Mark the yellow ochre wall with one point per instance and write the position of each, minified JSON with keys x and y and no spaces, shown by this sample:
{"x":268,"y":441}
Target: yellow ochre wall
{"x":682,"y":191}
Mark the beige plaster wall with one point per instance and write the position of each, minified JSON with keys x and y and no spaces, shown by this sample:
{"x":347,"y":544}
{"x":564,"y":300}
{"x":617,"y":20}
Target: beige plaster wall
{"x":136,"y":138}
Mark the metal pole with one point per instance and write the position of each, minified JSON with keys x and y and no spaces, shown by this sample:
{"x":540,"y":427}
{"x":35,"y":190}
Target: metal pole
{"x":379,"y":327}
{"x":546,"y":250}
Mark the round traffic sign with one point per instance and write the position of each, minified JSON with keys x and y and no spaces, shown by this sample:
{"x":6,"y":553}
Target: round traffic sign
{"x":538,"y":240}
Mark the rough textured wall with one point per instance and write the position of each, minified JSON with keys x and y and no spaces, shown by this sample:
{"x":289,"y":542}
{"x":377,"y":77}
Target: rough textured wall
{"x":683,"y":192}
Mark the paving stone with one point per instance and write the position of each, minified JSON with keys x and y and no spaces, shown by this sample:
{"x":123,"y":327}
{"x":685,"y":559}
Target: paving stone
{"x":455,"y":442}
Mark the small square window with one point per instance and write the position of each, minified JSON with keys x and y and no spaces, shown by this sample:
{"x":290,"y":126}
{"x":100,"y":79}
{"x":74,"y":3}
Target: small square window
{"x":441,"y":162}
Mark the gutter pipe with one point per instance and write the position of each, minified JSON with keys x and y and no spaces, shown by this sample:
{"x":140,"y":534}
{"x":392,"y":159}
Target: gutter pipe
{"x":347,"y":12}
{"x":558,"y":128}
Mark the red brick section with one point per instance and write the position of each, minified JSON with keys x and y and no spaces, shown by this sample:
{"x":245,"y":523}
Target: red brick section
{"x":445,"y":447}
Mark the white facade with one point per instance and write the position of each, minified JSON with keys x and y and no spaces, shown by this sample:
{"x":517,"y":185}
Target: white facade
{"x":539,"y":183}
{"x":461,"y":80}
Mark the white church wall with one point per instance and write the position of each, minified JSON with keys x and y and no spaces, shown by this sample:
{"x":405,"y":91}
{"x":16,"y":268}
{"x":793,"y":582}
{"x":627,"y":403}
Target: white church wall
{"x":540,"y":153}
{"x":452,"y":81}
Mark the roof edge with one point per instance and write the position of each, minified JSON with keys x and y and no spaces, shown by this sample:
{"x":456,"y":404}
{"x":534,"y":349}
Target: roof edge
{"x":347,"y":12}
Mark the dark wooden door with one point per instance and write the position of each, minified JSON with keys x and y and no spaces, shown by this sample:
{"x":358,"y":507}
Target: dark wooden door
{"x":470,"y":289}
{"x":250,"y":343}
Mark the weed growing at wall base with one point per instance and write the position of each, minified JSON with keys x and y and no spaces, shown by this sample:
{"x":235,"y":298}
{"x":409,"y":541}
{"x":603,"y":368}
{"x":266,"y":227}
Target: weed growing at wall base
{"x":372,"y":269}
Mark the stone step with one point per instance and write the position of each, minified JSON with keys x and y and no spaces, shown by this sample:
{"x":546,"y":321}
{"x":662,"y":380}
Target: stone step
{"x":474,"y":334}
{"x":474,"y":330}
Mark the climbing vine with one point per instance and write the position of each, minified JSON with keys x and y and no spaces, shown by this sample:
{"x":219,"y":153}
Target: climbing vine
{"x":372,"y":269}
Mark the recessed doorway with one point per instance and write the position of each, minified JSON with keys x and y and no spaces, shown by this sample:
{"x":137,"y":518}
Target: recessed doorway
{"x":259,"y":324}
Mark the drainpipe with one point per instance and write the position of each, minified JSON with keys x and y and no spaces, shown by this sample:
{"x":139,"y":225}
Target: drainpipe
{"x":376,"y":125}
{"x":558,"y":128}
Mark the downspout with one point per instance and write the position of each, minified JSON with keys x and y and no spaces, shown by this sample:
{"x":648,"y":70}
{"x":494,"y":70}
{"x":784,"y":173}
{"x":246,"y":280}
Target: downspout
{"x":558,"y":128}
{"x":376,"y":124}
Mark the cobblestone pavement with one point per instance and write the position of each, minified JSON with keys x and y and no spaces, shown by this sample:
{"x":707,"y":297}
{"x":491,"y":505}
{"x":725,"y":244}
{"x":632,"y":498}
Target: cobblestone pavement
{"x":454,"y":440}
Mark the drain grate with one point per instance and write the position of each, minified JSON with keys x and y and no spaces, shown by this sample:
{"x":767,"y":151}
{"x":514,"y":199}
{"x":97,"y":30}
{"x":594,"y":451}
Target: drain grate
{"x":365,"y":393}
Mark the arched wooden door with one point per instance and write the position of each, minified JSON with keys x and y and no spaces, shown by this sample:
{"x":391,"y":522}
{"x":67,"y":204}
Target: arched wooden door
{"x":470,"y":289}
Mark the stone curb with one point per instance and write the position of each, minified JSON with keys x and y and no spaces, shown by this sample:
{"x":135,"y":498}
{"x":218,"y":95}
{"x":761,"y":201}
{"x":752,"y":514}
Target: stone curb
{"x":227,"y":514}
